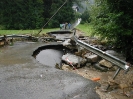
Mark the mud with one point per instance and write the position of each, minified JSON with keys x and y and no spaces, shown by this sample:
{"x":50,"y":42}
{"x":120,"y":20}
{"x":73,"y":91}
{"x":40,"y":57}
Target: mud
{"x":115,"y":91}
{"x":23,"y":77}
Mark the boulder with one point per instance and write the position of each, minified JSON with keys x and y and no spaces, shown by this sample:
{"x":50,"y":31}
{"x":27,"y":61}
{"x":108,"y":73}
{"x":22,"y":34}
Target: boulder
{"x":92,"y":58}
{"x":73,"y":59}
{"x":101,"y":68}
{"x":105,"y":63}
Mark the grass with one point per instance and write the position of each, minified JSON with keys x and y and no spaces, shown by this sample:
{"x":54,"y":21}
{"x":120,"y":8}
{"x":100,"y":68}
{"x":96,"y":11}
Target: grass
{"x":86,"y":28}
{"x":10,"y":32}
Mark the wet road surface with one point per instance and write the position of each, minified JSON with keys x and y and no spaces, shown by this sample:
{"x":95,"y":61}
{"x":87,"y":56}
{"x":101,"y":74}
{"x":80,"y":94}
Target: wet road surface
{"x":23,"y":77}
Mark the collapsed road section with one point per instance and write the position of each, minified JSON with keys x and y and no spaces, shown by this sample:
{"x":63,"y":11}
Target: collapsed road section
{"x":22,"y":77}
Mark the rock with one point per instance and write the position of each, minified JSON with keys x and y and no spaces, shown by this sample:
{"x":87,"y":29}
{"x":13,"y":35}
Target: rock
{"x":97,"y":66}
{"x":81,"y":53}
{"x":88,"y":64}
{"x":66,"y":42}
{"x":1,"y":43}
{"x":66,"y":67}
{"x":113,"y":68}
{"x":123,"y":85}
{"x":105,"y":63}
{"x":115,"y":54}
{"x":92,"y":58}
{"x":69,"y":44}
{"x":113,"y":82}
{"x":73,"y":59}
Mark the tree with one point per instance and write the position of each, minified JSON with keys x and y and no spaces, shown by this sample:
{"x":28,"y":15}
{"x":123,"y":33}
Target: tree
{"x":33,"y":14}
{"x":21,"y":14}
{"x":65,"y":14}
{"x":113,"y":20}
{"x":85,"y":16}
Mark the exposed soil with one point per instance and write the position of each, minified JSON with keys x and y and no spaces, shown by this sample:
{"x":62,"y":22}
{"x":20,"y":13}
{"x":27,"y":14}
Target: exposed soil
{"x":120,"y":88}
{"x":115,"y":91}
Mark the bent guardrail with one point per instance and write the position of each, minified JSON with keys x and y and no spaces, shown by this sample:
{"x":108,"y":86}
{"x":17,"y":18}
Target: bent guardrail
{"x":121,"y":64}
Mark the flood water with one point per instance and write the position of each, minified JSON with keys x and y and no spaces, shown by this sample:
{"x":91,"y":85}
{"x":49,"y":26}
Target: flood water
{"x":50,"y":57}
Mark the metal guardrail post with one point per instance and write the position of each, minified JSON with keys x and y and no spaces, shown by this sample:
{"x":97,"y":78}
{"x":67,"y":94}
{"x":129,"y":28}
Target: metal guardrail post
{"x":116,"y":73}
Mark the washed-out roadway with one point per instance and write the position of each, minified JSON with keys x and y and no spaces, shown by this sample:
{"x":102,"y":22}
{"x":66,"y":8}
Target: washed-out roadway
{"x":23,"y":77}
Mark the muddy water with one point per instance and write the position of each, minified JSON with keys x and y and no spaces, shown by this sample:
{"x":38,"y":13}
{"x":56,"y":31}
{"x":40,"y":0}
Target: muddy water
{"x":50,"y":57}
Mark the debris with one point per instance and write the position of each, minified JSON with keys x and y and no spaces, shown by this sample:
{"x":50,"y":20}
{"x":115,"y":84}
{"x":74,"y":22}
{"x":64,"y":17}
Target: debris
{"x":92,"y":58}
{"x":95,"y":79}
{"x":97,"y":66}
{"x":66,"y":67}
{"x":57,"y":66}
{"x":105,"y":63}
{"x":74,"y":59}
{"x":123,"y":86}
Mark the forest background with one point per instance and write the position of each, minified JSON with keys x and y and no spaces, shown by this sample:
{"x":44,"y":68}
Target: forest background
{"x":112,"y":20}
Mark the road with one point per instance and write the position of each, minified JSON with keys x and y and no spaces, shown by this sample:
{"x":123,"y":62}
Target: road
{"x":23,"y":77}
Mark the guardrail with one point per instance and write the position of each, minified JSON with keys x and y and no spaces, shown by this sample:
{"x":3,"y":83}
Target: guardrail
{"x":19,"y":36}
{"x":119,"y":63}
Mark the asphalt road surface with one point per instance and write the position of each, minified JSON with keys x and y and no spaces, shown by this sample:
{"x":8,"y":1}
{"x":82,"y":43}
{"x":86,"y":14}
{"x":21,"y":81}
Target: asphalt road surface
{"x":23,"y":77}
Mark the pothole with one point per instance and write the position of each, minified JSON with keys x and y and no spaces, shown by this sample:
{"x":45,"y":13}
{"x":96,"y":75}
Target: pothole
{"x":50,"y":55}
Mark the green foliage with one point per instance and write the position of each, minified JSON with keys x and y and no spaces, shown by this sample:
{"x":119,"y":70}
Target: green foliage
{"x":21,"y":14}
{"x":113,"y":20}
{"x":65,"y":14}
{"x":85,"y":17}
{"x":10,"y":32}
{"x":86,"y":28}
{"x":33,"y":14}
